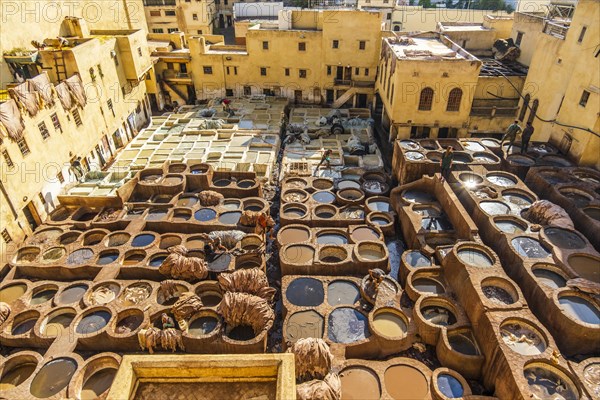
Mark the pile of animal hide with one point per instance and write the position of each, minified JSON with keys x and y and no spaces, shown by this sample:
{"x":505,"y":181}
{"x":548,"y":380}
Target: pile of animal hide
{"x":210,"y":198}
{"x":252,"y":281}
{"x":229,"y":239}
{"x":4,"y":312}
{"x":102,"y":295}
{"x":167,"y":339}
{"x":246,"y":309}
{"x":168,"y":288}
{"x":313,"y":365}
{"x":179,"y":266}
{"x":544,"y":212}
{"x":135,"y":294}
{"x":249,"y":218}
{"x":187,"y":305}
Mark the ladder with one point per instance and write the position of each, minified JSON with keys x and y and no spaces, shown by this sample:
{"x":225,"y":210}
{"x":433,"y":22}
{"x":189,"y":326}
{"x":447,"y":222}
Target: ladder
{"x":59,"y":65}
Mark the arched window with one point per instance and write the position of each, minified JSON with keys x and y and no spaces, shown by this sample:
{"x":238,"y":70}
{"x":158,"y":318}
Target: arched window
{"x":397,"y":28}
{"x":454,"y":99}
{"x":533,"y":111}
{"x":524,"y":107}
{"x":426,"y":99}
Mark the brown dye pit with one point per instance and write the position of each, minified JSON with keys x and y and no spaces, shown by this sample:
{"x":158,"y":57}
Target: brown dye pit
{"x":359,"y":383}
{"x":16,"y":376}
{"x":11,"y":293}
{"x":592,"y":212}
{"x":57,"y":325}
{"x":206,"y":390}
{"x":389,"y":324}
{"x":404,"y":382}
{"x":586,"y":267}
{"x":43,"y":296}
{"x":72,"y":294}
{"x":129,"y":324}
{"x":53,"y":377}
{"x":300,"y":254}
{"x":427,"y":285}
{"x":304,"y":324}
{"x":293,"y":235}
{"x":98,"y":383}
{"x":364,"y":233}
{"x":464,"y":343}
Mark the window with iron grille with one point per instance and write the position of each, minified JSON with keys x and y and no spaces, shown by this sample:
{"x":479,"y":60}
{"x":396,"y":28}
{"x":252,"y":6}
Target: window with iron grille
{"x":139,"y":51}
{"x":329,"y":70}
{"x":23,"y":146}
{"x":43,"y":130}
{"x":109,"y":104}
{"x":265,"y":45}
{"x":158,"y":30}
{"x":585,"y":95}
{"x":302,"y":46}
{"x":207,"y":70}
{"x":169,"y":13}
{"x":155,"y":13}
{"x":335,"y":44}
{"x":366,"y":71}
{"x":362,"y":45}
{"x":7,"y":159}
{"x":287,"y":72}
{"x":302,"y":73}
{"x":263,"y":71}
{"x":195,"y":17}
{"x":171,"y":30}
{"x":426,"y":99}
{"x":454,"y":99}
{"x":77,"y":117}
{"x":6,"y":236}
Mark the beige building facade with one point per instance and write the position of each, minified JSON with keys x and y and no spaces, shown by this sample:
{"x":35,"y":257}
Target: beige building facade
{"x":192,"y":17}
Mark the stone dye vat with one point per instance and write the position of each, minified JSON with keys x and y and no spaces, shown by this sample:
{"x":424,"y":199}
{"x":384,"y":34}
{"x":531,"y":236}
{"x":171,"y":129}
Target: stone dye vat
{"x":542,"y":261}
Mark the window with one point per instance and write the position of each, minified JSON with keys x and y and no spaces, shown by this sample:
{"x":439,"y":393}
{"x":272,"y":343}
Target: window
{"x":356,"y":71}
{"x":235,"y":70}
{"x":195,"y":17}
{"x":207,"y":70}
{"x":519,"y":38}
{"x":302,"y":46}
{"x":155,"y":13}
{"x":169,"y":65}
{"x":158,"y":30}
{"x":265,"y":45}
{"x":227,"y":70}
{"x":524,"y":107}
{"x":60,"y":177}
{"x":23,"y":146}
{"x":366,"y":71}
{"x":302,"y":73}
{"x":263,"y":71}
{"x":139,"y":51}
{"x":7,"y":159}
{"x":92,"y":75}
{"x":454,"y":99}
{"x":56,"y":122}
{"x":584,"y":98}
{"x":116,"y":60}
{"x":287,"y":72}
{"x":6,"y":236}
{"x":362,"y":45}
{"x":42,"y":199}
{"x":533,"y":111}
{"x":77,"y":117}
{"x":43,"y":130}
{"x":247,"y":90}
{"x":225,"y":2}
{"x":229,"y":92}
{"x":329,"y":70}
{"x":582,"y":34}
{"x":335,"y":44}
{"x":109,"y":104}
{"x":171,"y":30}
{"x":426,"y":99}
{"x":199,"y":31}
{"x":389,"y":16}
{"x":170,"y":13}
{"x":100,"y":71}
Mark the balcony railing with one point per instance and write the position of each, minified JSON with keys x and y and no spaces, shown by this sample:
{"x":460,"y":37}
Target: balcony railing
{"x":494,"y":111}
{"x":159,"y":2}
{"x":171,"y":75}
{"x":353,"y":83}
{"x":557,"y":30}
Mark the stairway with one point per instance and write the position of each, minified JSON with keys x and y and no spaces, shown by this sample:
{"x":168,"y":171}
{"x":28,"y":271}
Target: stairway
{"x":344,"y":98}
{"x":174,"y":89}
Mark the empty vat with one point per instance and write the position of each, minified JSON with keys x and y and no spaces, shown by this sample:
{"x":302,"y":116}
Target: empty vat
{"x":16,"y":375}
{"x":475,"y":257}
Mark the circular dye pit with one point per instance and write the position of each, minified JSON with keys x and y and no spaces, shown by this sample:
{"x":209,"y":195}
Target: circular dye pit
{"x":416,"y":259}
{"x":293,"y":235}
{"x":117,"y":239}
{"x":156,"y":261}
{"x":294,"y":196}
{"x":324,"y":197}
{"x":104,"y":294}
{"x":371,"y":252}
{"x":97,"y":384}
{"x":232,"y":205}
{"x":54,"y":254}
{"x":304,"y":324}
{"x":404,"y":382}
{"x":58,"y":324}
{"x":501,"y":180}
{"x":579,"y":198}
{"x":360,"y":383}
{"x":154,"y":215}
{"x":414,"y":155}
{"x":470,"y":180}
{"x":476,"y":258}
{"x":352,"y":213}
{"x":203,"y":325}
{"x":24,"y":326}
{"x":409,"y":145}
{"x":245,"y":184}
{"x":220,"y":262}
{"x":490,"y":143}
{"x":449,"y":386}
{"x":519,"y":159}
{"x":389,"y":324}
{"x":53,"y":377}
{"x":296,"y":182}
{"x":497,"y":295}
{"x":325,"y":211}
{"x":42,"y":296}
{"x":494,"y":207}
{"x":592,"y":212}
{"x":438,"y":315}
{"x":546,"y":384}
{"x":253,"y":205}
{"x":299,"y":254}
{"x":142,"y":240}
{"x":294,"y":212}
{"x":351,"y":195}
{"x":586,"y":266}
{"x":580,"y":309}
{"x":364,"y":233}
{"x":530,"y":248}
{"x":93,"y":322}
{"x":305,"y":292}
{"x":332,"y":254}
{"x":374,"y":186}
{"x":68,"y":238}
{"x":509,"y":226}
{"x":418,"y":196}
{"x":461,"y":158}
{"x":14,"y":377}
{"x":222,"y":183}
{"x":379,"y":205}
{"x":348,"y":184}
{"x":107,"y":257}
{"x":72,"y":294}
{"x":522,"y":338}
{"x":428,"y":285}
{"x":517,"y":200}
{"x":129,"y":323}
{"x":464,"y":343}
{"x":322,"y":184}
{"x":342,"y":292}
{"x":241,"y":333}
{"x":347,"y":325}
{"x":473,"y":146}
{"x":10,"y":293}
{"x":565,"y":239}
{"x":332,"y":238}
{"x":484,"y":158}
{"x":80,"y":256}
{"x":205,"y":214}
{"x":134,"y":257}
{"x":230,"y":218}
{"x":549,"y":278}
